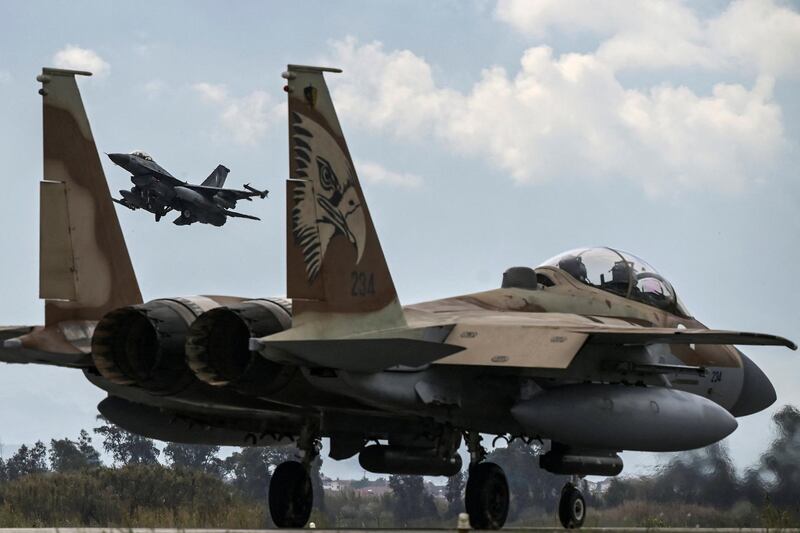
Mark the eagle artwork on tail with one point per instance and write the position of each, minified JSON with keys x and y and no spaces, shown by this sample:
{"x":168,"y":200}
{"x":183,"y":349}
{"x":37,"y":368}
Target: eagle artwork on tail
{"x":324,"y":204}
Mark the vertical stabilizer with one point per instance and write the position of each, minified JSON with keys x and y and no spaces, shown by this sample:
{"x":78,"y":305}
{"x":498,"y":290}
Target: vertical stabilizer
{"x":336,"y":271}
{"x":217,"y":177}
{"x":84,"y":267}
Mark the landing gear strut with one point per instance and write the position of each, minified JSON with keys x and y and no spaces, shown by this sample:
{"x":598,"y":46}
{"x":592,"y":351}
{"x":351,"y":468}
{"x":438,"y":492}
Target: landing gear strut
{"x":571,"y":507}
{"x":487,"y":495}
{"x":290,"y":491}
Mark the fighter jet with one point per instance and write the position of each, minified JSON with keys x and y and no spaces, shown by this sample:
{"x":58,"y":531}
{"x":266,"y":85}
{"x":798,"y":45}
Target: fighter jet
{"x":591,"y":352}
{"x":159,"y":192}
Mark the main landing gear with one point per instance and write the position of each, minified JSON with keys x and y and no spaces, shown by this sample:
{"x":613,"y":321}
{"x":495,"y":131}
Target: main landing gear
{"x":290,"y":495}
{"x":290,"y":491}
{"x":487,"y":494}
{"x":571,"y":507}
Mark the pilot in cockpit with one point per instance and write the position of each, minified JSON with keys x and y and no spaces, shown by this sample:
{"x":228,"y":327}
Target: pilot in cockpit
{"x":621,"y":274}
{"x":574,"y":266}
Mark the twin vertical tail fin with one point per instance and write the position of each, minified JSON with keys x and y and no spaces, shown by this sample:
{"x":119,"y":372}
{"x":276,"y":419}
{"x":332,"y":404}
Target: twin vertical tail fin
{"x":217,"y":177}
{"x":337,"y":275}
{"x":84,"y":267}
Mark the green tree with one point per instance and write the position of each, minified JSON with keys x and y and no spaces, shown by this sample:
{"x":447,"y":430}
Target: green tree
{"x":88,"y":451}
{"x":249,"y":469}
{"x":411,"y":501}
{"x":27,"y":461}
{"x":776,"y":477}
{"x":67,"y":455}
{"x":125,"y":447}
{"x":454,"y":492}
{"x":196,"y":457}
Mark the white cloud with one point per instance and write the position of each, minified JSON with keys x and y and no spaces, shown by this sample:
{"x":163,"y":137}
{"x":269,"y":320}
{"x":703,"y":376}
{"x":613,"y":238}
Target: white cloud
{"x":246,"y":118}
{"x":5,"y":77}
{"x":211,"y":92}
{"x":568,"y":116}
{"x":371,"y":172}
{"x":77,"y":58}
{"x":760,"y":35}
{"x":154,"y":88}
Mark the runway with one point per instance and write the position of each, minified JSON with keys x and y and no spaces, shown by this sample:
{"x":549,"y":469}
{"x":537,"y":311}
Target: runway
{"x":510,"y":529}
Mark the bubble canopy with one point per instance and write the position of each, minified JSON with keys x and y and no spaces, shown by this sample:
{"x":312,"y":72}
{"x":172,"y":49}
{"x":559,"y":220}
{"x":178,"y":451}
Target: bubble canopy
{"x":620,"y":273}
{"x":142,"y":154}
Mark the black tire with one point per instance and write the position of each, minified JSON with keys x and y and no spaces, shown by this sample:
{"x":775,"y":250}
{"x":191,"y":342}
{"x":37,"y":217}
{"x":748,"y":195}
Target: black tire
{"x":571,"y":507}
{"x":290,"y":495}
{"x":186,"y":213}
{"x":487,"y":496}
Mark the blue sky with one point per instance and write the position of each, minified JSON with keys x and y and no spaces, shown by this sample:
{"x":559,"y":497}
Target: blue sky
{"x":486,"y":134}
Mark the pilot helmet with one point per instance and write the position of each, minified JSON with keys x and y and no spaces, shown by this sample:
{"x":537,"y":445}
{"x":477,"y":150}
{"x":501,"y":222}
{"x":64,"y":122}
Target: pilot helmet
{"x":573,"y":265}
{"x":621,"y":272}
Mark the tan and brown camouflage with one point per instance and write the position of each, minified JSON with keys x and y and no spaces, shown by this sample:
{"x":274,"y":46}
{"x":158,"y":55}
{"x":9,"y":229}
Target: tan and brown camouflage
{"x":84,"y":267}
{"x":547,"y":356}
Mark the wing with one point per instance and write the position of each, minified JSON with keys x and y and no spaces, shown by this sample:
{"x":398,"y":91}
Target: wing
{"x":639,"y":336}
{"x":228,"y":194}
{"x":355,"y":355}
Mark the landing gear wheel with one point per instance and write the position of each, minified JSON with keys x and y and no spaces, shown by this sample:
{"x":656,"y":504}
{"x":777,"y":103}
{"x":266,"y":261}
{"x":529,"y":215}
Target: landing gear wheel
{"x":486,"y":497}
{"x":186,"y":213}
{"x":571,"y":507}
{"x":290,"y":495}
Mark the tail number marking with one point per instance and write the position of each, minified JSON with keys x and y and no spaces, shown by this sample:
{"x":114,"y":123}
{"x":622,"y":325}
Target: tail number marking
{"x":363,"y":283}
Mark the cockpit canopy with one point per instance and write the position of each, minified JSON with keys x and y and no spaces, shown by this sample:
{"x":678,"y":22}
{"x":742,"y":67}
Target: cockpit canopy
{"x":142,"y":154}
{"x":620,"y":273}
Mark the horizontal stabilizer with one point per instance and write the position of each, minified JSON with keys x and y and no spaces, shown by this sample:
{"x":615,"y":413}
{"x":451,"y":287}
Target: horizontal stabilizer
{"x":123,"y":203}
{"x":33,"y":345}
{"x":638,"y":336}
{"x":355,"y":355}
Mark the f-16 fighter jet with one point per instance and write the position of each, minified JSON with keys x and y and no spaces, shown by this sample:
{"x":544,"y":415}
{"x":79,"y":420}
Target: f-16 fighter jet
{"x":591,"y":352}
{"x":159,"y":192}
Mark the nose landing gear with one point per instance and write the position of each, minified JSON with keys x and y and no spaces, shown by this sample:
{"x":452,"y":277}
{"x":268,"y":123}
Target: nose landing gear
{"x":487,"y":495}
{"x":571,"y":507}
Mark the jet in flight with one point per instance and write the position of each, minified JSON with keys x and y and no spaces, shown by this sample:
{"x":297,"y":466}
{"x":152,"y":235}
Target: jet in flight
{"x":592,"y":352}
{"x":159,"y":192}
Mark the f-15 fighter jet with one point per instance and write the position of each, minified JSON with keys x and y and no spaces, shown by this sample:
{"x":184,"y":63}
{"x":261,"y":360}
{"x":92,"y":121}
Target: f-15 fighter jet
{"x":159,"y":192}
{"x":591,"y":352}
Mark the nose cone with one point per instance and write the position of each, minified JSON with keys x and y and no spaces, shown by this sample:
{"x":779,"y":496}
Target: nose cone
{"x":757,"y":391}
{"x":119,"y":159}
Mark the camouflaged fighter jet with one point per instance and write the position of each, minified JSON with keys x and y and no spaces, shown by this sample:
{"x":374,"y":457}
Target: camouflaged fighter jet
{"x":159,"y":192}
{"x":592,"y":351}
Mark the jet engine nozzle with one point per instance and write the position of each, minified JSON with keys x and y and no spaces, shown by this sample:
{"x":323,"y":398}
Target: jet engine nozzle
{"x":143,"y":345}
{"x":217,"y":346}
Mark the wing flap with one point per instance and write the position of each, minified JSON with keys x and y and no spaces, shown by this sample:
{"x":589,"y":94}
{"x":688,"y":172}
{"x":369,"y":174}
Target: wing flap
{"x":355,"y":355}
{"x":643,"y":336}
